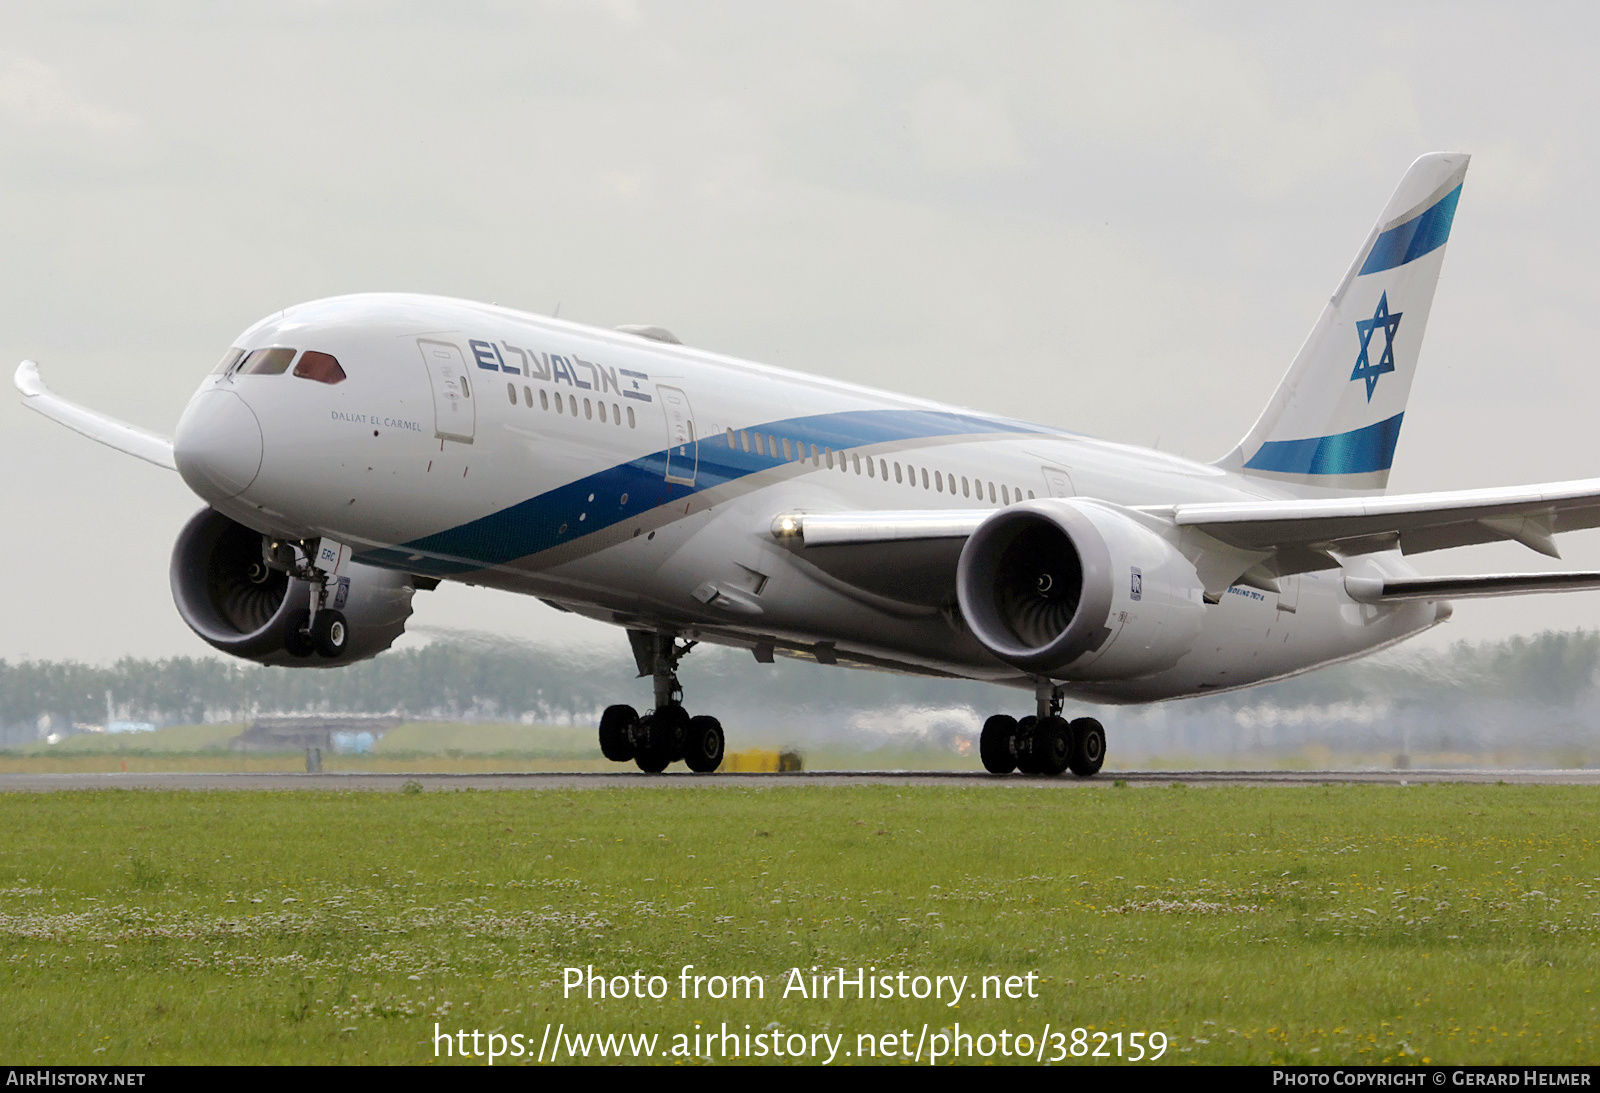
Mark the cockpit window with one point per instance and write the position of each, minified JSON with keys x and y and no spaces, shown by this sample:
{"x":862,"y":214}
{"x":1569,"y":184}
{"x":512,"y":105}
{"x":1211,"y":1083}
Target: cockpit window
{"x":267,"y":362}
{"x":322,"y":367}
{"x":229,"y":359}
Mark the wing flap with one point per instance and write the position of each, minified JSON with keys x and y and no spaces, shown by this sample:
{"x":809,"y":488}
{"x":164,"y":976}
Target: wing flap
{"x":125,"y":438}
{"x":1400,"y":589}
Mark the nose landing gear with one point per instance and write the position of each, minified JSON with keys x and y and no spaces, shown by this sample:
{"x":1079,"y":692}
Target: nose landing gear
{"x":667,"y":733}
{"x":1045,"y":743}
{"x":319,"y":629}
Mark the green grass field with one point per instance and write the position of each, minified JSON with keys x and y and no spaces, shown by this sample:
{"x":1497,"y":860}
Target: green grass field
{"x":1342,"y":924}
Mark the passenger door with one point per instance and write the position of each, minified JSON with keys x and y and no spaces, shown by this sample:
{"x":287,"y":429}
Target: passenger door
{"x":683,"y":449}
{"x":454,"y":417}
{"x":1058,"y":483}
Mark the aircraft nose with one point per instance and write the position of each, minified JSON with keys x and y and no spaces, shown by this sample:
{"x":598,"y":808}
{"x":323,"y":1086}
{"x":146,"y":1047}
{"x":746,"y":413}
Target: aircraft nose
{"x":217,"y":445}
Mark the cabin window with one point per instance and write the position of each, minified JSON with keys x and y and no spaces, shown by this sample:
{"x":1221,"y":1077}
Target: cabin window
{"x":527,"y":397}
{"x":857,"y":459}
{"x":732,"y":443}
{"x":588,"y":410}
{"x":991,"y":493}
{"x":813,"y":455}
{"x":744,"y":440}
{"x":897,"y":476}
{"x":267,"y":362}
{"x":602,"y":407}
{"x":322,"y":367}
{"x":1030,"y":495}
{"x":544,"y":400}
{"x":572,"y":404}
{"x":616,"y":414}
{"x":924,"y":478}
{"x":511,"y":393}
{"x":466,"y":392}
{"x":938,"y":481}
{"x":630,"y":417}
{"x":786,"y":451}
{"x":1005,"y":495}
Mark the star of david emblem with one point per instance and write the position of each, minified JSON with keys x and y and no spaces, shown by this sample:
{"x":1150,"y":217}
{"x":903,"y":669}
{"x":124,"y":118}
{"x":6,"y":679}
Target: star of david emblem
{"x":1365,"y":369}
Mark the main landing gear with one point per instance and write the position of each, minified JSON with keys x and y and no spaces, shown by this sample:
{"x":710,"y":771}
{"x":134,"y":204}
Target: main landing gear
{"x":1045,"y":743}
{"x":667,"y":733}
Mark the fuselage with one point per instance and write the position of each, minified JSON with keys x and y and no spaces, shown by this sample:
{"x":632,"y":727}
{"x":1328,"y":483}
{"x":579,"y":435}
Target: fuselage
{"x":623,"y":477}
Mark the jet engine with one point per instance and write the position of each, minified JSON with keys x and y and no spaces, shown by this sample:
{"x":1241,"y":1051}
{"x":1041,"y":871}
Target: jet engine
{"x":228,"y":595}
{"x":1077,"y":589}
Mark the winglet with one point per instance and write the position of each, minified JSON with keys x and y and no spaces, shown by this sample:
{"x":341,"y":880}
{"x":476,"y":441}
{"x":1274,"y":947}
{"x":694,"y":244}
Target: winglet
{"x":108,"y":431}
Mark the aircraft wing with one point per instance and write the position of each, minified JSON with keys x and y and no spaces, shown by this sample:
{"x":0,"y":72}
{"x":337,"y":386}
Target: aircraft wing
{"x":1416,"y":522}
{"x":108,"y":431}
{"x":911,"y":555}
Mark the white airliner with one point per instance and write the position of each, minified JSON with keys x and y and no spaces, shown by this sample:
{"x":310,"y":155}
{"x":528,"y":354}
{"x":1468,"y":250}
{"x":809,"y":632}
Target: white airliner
{"x":353,"y":450}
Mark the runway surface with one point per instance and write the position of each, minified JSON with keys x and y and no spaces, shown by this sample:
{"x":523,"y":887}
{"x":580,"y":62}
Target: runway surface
{"x":44,"y":783}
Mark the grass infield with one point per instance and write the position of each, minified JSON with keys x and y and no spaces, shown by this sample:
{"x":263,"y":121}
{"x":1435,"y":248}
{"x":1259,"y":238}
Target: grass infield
{"x":1442,"y":923}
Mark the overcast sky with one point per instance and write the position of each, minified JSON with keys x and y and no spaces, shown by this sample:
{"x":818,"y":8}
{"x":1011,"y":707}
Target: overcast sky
{"x":1116,"y":218}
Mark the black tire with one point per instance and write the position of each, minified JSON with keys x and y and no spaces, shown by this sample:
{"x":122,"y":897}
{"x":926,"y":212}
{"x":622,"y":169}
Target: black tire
{"x":1088,"y":747}
{"x":703,"y":754}
{"x":997,"y":745}
{"x":296,"y":642}
{"x":651,"y":762}
{"x":669,"y":731}
{"x":331,"y":634}
{"x":1052,"y":745}
{"x":616,"y":743}
{"x":646,"y":755}
{"x":1025,"y":759}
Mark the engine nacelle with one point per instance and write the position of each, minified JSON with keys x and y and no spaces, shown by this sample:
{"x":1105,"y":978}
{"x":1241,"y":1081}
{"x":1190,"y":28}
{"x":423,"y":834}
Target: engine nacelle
{"x":236,"y":603}
{"x":1076,"y":589}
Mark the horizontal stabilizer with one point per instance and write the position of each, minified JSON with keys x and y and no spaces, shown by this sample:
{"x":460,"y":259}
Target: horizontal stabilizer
{"x":1398,"y":589}
{"x":108,"y":431}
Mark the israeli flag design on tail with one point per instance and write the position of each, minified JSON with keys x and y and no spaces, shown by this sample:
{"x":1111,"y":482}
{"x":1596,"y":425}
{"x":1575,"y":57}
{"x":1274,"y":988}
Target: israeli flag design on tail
{"x":1333,"y":423}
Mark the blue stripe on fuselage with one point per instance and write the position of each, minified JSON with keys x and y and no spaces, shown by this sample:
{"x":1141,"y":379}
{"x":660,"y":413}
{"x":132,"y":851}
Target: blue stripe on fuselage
{"x":1425,"y":232}
{"x":565,"y":513}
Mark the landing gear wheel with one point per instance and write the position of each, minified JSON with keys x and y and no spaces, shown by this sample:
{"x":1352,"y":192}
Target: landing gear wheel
{"x":296,"y":641}
{"x":659,"y":738}
{"x":1027,"y":763}
{"x":331,"y":634}
{"x":1088,"y":747}
{"x":646,"y":756}
{"x":703,"y":753}
{"x":997,"y":745}
{"x":615,"y":742}
{"x":1052,"y":745}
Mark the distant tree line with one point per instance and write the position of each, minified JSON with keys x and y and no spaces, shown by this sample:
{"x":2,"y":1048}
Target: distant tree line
{"x":455,"y":680}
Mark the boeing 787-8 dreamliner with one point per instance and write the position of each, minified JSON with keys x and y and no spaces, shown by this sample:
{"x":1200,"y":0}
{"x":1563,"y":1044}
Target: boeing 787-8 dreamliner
{"x":353,"y":450}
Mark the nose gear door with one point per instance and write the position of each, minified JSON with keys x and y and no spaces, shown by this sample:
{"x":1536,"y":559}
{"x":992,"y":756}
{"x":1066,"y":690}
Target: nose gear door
{"x":454,"y":417}
{"x":683,"y":450}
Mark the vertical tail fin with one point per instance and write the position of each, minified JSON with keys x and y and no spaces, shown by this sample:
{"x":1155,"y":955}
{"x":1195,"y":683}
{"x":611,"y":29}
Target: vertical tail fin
{"x":1334,"y":420}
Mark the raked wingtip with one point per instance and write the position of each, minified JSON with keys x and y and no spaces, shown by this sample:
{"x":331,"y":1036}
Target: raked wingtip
{"x":27,"y":379}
